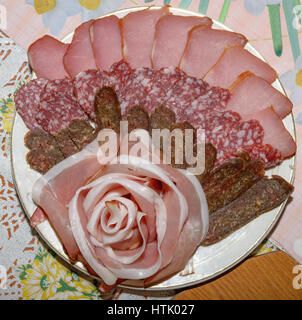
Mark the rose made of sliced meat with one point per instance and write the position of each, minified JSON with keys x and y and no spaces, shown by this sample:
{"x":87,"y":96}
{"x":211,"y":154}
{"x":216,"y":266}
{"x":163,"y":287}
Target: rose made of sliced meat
{"x":125,"y":219}
{"x":129,"y":219}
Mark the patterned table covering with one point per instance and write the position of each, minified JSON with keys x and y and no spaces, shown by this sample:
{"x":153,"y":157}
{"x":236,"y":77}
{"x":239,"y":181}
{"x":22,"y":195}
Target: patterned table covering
{"x":32,"y":271}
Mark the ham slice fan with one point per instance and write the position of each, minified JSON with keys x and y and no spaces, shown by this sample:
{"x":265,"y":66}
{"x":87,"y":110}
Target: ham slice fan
{"x":45,"y":57}
{"x":172,"y":222}
{"x":171,"y":34}
{"x":79,"y":55}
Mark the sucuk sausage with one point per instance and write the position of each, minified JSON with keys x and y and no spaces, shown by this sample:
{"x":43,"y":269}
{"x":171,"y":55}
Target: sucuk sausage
{"x":44,"y":151}
{"x":236,"y":185}
{"x":213,"y":182}
{"x":162,"y":118}
{"x":263,"y":196}
{"x":81,"y":133}
{"x":42,"y":161}
{"x":107,"y":109}
{"x":67,"y":146}
{"x":138,"y":118}
{"x":38,"y":139}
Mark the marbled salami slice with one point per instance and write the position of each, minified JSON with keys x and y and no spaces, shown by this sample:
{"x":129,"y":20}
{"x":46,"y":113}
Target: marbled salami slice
{"x":27,"y":101}
{"x":136,"y":89}
{"x":184,"y":92}
{"x":163,"y":88}
{"x":55,"y":112}
{"x":85,"y":86}
{"x":230,"y":134}
{"x":119,"y":74}
{"x":62,"y":87}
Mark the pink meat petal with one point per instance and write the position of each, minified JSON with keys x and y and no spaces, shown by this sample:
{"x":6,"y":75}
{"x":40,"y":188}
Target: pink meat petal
{"x":46,"y":58}
{"x":53,"y":191}
{"x":192,"y":233}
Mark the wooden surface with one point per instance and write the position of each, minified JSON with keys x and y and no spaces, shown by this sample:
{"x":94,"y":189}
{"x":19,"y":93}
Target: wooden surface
{"x":268,"y":276}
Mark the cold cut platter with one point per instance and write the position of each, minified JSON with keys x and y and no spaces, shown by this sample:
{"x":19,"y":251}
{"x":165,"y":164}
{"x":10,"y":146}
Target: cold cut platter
{"x":123,"y":218}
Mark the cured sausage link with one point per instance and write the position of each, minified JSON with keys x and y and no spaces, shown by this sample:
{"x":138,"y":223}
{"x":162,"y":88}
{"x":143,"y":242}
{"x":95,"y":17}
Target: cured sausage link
{"x":107,"y":109}
{"x":210,"y":154}
{"x":162,"y":118}
{"x":138,"y":118}
{"x":38,"y":139}
{"x":236,"y":185}
{"x":42,"y":161}
{"x":215,"y":180}
{"x":81,"y":133}
{"x":67,"y":146}
{"x":263,"y":196}
{"x":44,"y":151}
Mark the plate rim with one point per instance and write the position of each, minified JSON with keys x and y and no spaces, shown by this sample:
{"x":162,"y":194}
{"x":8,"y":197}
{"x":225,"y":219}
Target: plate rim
{"x":190,"y":283}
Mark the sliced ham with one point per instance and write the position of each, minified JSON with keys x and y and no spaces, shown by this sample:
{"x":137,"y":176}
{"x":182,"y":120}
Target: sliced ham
{"x":205,"y":46}
{"x":171,"y":34}
{"x":275,"y":132}
{"x":106,"y":41}
{"x":233,"y":63}
{"x":53,"y":195}
{"x":79,"y":55}
{"x":38,"y":217}
{"x":253,"y":94}
{"x":45,"y":57}
{"x":138,"y":35}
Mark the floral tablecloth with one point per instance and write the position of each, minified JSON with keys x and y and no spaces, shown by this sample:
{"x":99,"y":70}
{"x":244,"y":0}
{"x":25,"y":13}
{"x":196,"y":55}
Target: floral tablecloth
{"x":30,"y":269}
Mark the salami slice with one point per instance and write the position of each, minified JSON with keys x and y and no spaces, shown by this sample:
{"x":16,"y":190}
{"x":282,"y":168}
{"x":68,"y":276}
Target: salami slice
{"x":120,"y":73}
{"x":27,"y":101}
{"x":136,"y":88}
{"x":270,"y":155}
{"x":56,"y":111}
{"x":229,"y":134}
{"x":63,"y":87}
{"x":50,"y":105}
{"x":184,"y":92}
{"x":163,"y":88}
{"x":86,"y":85}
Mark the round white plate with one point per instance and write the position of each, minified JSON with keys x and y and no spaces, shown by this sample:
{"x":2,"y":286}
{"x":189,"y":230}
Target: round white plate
{"x":207,"y":262}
